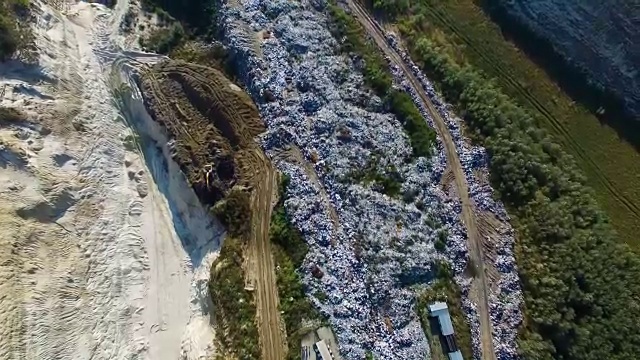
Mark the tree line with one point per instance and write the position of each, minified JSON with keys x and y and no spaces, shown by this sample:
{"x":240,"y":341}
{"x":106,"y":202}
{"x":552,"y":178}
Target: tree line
{"x":580,"y":285}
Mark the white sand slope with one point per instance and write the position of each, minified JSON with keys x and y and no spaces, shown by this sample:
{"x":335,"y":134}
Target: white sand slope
{"x":104,"y":249}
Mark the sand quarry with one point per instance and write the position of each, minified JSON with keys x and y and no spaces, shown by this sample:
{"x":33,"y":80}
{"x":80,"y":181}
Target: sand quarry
{"x":104,"y":248}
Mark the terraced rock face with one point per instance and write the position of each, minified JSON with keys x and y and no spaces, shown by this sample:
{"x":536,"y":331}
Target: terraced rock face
{"x":212,"y":121}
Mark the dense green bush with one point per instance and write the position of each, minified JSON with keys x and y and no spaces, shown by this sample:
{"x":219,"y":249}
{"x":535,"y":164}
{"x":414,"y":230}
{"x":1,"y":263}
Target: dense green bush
{"x":164,"y":40}
{"x":8,"y":37}
{"x":234,"y":309}
{"x":378,"y":77}
{"x":283,"y":233}
{"x":289,"y":252}
{"x":234,"y":211}
{"x":581,"y":286}
{"x":15,"y":33}
{"x":197,"y":16}
{"x":389,"y":182}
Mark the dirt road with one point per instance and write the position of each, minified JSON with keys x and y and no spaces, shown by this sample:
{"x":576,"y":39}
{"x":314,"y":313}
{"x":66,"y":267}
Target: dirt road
{"x":265,"y":183}
{"x":468,"y":215}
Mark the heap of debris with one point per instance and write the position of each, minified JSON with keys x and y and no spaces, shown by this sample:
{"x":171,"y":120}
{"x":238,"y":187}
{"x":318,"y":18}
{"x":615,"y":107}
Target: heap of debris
{"x":371,"y":249}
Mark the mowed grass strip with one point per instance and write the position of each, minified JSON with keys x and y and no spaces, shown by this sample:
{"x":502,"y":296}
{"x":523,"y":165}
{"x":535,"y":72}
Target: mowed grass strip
{"x":611,"y":165}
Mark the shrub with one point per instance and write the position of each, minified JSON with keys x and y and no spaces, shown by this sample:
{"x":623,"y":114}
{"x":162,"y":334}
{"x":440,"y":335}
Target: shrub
{"x":234,"y":309}
{"x":11,"y":115}
{"x":234,"y":211}
{"x":163,"y":40}
{"x":15,"y":30}
{"x":8,"y":37}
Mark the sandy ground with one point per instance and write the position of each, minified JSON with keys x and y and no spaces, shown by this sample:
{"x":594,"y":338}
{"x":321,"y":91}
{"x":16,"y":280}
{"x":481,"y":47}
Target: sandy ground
{"x":104,"y":249}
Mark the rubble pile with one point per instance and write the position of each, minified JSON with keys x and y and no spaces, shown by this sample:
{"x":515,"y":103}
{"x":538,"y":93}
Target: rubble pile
{"x":368,"y":266}
{"x":505,"y":303}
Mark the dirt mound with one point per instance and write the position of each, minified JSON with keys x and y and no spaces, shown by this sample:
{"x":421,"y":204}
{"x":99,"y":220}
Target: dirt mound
{"x":211,"y":121}
{"x":212,"y":125}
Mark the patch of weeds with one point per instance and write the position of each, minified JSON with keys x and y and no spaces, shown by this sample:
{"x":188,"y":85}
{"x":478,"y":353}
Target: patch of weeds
{"x":234,"y":211}
{"x":388,"y":182}
{"x":441,"y":242}
{"x":131,"y":141}
{"x":321,"y":296}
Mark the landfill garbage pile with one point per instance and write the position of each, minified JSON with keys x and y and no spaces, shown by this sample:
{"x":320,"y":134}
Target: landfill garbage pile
{"x":457,"y":241}
{"x":383,"y":246}
{"x":505,"y":303}
{"x":313,"y":99}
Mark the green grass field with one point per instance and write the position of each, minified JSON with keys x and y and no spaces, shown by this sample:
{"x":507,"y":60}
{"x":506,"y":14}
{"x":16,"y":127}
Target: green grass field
{"x":611,"y":165}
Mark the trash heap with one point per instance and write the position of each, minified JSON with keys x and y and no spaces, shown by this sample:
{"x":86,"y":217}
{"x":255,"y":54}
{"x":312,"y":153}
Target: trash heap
{"x":505,"y":303}
{"x":367,"y":266}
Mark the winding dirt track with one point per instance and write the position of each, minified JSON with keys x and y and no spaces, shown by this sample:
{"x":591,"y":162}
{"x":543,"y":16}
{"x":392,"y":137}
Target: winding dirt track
{"x":468,"y":215}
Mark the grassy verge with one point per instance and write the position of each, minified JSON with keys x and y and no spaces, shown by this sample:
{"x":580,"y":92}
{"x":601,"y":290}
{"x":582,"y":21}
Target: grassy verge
{"x":378,"y":77}
{"x":611,"y":166}
{"x":580,"y":285}
{"x":234,"y":308}
{"x":289,"y":252}
{"x":445,"y":289}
